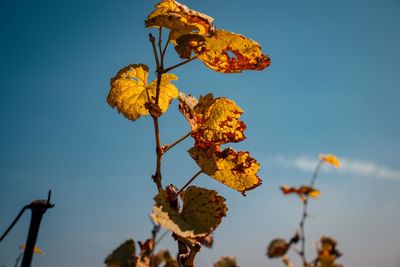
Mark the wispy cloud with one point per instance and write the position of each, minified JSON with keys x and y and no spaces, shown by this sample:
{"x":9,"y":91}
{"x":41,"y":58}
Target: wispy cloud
{"x":351,"y":166}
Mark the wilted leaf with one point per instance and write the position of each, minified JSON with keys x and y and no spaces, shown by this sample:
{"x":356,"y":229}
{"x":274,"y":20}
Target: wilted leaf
{"x":123,"y":256}
{"x":179,"y":19}
{"x":328,"y":253}
{"x":226,"y":262}
{"x":277,"y":248}
{"x":303,"y":192}
{"x":201,"y":213}
{"x":128,"y":92}
{"x":224,"y":51}
{"x":235,"y":169}
{"x":213,"y":121}
{"x":331,"y":159}
{"x":36,"y":249}
{"x":163,"y":256}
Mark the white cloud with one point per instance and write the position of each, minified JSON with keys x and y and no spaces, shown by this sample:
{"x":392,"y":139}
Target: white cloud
{"x":351,"y":166}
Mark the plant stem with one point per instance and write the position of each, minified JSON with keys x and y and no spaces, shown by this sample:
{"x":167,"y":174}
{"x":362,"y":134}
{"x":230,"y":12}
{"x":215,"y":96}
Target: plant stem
{"x":304,"y":216}
{"x":168,"y":147}
{"x":179,"y":64}
{"x":188,"y":183}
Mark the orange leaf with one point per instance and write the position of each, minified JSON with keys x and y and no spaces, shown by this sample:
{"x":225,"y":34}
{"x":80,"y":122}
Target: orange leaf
{"x":331,"y":159}
{"x":224,"y":51}
{"x":303,"y":191}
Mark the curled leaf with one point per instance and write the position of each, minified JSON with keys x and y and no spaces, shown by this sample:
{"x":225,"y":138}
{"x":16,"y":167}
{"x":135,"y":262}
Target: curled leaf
{"x":277,"y":248}
{"x":214,"y":121}
{"x":327,"y":253}
{"x":123,"y":256}
{"x":201,"y":213}
{"x":303,"y":192}
{"x":226,"y":262}
{"x":224,"y":51}
{"x":179,"y":19}
{"x":235,"y":169}
{"x":330,"y":159}
{"x":129,"y":91}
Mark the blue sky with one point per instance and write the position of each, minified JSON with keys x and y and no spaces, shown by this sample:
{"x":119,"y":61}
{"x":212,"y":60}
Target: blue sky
{"x":333,"y":87}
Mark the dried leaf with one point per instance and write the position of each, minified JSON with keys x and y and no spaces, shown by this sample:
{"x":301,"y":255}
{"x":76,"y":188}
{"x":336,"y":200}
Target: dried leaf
{"x":330,"y":159}
{"x":179,"y":19}
{"x":303,"y":192}
{"x":36,"y":249}
{"x":123,"y":256}
{"x":226,"y":262}
{"x":235,"y":169}
{"x":201,"y":213}
{"x":224,"y":51}
{"x":214,"y":121}
{"x":128,"y":92}
{"x":277,"y":248}
{"x":328,"y":253}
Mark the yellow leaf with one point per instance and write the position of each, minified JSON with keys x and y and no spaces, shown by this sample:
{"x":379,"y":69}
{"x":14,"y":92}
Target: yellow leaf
{"x":123,"y":256}
{"x":224,"y":51}
{"x":36,"y":249}
{"x":179,"y":19}
{"x":331,"y":159}
{"x":201,"y":213}
{"x":235,"y":169}
{"x":303,"y":192}
{"x":128,"y":91}
{"x":226,"y":262}
{"x":213,"y":121}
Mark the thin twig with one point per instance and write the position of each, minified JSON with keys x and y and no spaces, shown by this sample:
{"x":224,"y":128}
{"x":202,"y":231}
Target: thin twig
{"x":304,"y":216}
{"x":188,"y":183}
{"x":180,"y":64}
{"x":160,"y":45}
{"x":153,"y":44}
{"x":168,"y":147}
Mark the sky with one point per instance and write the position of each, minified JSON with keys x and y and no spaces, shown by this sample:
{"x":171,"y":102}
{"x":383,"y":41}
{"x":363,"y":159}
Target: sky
{"x":332,"y":87}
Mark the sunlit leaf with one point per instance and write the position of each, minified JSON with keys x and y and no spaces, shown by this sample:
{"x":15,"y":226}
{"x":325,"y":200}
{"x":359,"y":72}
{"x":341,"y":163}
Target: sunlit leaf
{"x":277,"y":248}
{"x":179,"y":19}
{"x":327,"y":253}
{"x":235,"y":169}
{"x":123,"y":256}
{"x":36,"y":249}
{"x":201,"y":213}
{"x":226,"y":262}
{"x":128,"y":91}
{"x":214,"y":121}
{"x":330,"y":159}
{"x":224,"y":51}
{"x":303,"y":192}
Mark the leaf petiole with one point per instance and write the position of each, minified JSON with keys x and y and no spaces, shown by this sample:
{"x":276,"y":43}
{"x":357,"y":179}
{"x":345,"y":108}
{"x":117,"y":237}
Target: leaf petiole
{"x":179,"y":64}
{"x":188,"y":183}
{"x":165,"y":148}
